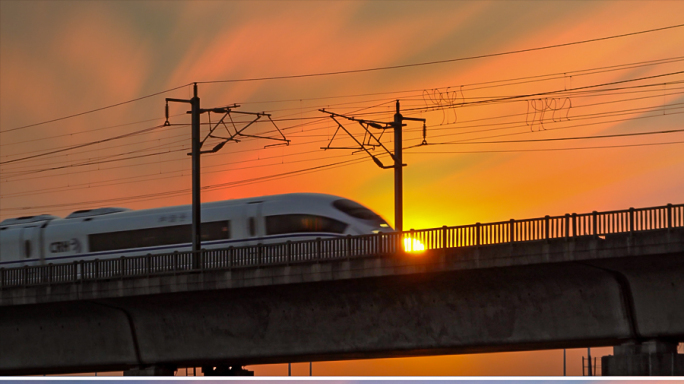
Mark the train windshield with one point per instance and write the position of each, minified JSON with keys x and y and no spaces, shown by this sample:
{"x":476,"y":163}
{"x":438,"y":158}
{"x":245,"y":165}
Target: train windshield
{"x":358,"y":211}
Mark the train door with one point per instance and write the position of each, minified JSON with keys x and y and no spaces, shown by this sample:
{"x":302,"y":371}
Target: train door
{"x":29,"y":246}
{"x":254,"y":223}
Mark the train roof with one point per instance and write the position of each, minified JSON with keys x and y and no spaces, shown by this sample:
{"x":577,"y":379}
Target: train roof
{"x":27,"y":219}
{"x":95,"y":212}
{"x":85,"y":213}
{"x":291,"y":197}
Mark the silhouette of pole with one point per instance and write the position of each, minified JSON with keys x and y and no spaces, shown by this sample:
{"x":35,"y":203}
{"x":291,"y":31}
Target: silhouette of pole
{"x":196,"y":201}
{"x":196,"y":144}
{"x":397,"y":156}
{"x":398,"y":174}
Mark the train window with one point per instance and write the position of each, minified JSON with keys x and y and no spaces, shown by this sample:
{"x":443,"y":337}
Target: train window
{"x":358,"y":211}
{"x":27,"y":248}
{"x":150,"y":237}
{"x":279,"y":224}
{"x":252,"y":227}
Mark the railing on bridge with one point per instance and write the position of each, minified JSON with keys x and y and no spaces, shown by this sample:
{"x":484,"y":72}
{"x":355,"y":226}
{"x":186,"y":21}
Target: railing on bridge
{"x":548,"y":227}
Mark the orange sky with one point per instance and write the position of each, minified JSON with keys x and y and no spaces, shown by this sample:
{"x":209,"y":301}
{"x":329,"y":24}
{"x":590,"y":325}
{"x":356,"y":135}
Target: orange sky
{"x":63,"y":58}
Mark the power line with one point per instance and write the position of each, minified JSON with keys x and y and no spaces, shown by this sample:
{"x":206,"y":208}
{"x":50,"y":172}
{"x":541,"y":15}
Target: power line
{"x":564,"y":138}
{"x":569,"y":73}
{"x":96,"y":109}
{"x":449,"y":127}
{"x":546,"y":130}
{"x":547,"y":149}
{"x":381,"y":104}
{"x":444,"y":143}
{"x":186,"y":190}
{"x":352,"y":71}
{"x":50,"y":159}
{"x":535,"y":78}
{"x":440,"y":61}
{"x":501,"y":99}
{"x":249,"y":181}
{"x":587,"y":116}
{"x":532,"y":95}
{"x":83,"y":132}
{"x":83,"y":145}
{"x":268,"y":177}
{"x":143,"y":131}
{"x":108,"y":159}
{"x":167,"y":175}
{"x":91,"y":162}
{"x":165,"y":142}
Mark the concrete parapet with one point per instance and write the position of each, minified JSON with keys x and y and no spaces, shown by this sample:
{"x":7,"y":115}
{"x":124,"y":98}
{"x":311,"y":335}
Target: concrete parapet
{"x":650,"y":358}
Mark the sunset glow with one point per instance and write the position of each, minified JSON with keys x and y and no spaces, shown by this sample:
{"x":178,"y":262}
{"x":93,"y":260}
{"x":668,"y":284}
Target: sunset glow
{"x":532,"y":108}
{"x":413,"y":245}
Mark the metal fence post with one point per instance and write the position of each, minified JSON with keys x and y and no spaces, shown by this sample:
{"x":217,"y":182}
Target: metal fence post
{"x":411,"y":238}
{"x":347,"y":243}
{"x":122,"y":266}
{"x":594,"y":219}
{"x":231,"y":256}
{"x":444,"y":237}
{"x":631,"y":221}
{"x":148,"y":267}
{"x":546,"y":227}
{"x":25,"y":275}
{"x":318,"y":248}
{"x":2,"y":277}
{"x":567,"y":226}
{"x":259,"y":254}
{"x":511,"y":231}
{"x":288,"y":252}
{"x":477,"y":233}
{"x":574,"y":225}
{"x":669,"y":216}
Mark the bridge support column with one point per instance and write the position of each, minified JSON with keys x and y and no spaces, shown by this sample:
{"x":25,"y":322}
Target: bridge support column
{"x":226,"y":370}
{"x":154,"y":370}
{"x":650,"y":358}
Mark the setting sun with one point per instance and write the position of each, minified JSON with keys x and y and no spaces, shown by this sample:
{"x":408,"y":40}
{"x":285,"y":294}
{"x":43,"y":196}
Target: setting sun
{"x":413,"y":245}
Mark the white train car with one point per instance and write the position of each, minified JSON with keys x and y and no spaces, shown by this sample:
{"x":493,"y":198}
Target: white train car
{"x":114,"y":232}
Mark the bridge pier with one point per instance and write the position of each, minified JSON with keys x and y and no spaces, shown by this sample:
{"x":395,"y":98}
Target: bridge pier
{"x":153,"y":370}
{"x":650,"y":358}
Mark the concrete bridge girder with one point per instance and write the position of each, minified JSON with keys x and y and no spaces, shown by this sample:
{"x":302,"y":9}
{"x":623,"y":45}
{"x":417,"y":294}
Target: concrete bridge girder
{"x":478,"y":308}
{"x":476,"y":311}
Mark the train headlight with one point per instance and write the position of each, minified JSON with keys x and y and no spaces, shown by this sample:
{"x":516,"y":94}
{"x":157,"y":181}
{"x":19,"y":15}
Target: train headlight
{"x":413,"y":245}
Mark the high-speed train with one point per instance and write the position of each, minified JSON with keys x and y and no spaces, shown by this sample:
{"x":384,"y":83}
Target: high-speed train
{"x":113,"y":232}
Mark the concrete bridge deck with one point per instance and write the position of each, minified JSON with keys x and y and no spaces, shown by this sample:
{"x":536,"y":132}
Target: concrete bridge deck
{"x":563,"y":292}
